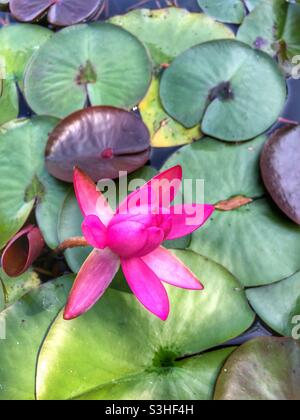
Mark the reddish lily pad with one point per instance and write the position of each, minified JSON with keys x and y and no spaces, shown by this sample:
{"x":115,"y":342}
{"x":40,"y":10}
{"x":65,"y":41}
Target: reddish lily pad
{"x":262,"y":369}
{"x":103,"y":65}
{"x":22,"y":251}
{"x":60,"y":13}
{"x":101,"y":141}
{"x":23,"y":143}
{"x":281,"y":171}
{"x":14,"y":288}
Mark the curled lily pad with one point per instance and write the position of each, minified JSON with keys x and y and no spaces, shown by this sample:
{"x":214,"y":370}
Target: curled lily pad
{"x":281,"y":172}
{"x":167,"y":33}
{"x":103,"y":65}
{"x":230,"y":11}
{"x":24,"y":145}
{"x":101,"y":141}
{"x":27,"y":323}
{"x":273,"y":27}
{"x":278,"y":305}
{"x":262,"y":369}
{"x":141,"y":350}
{"x":235,"y":91}
{"x":60,"y":13}
{"x":252,"y":239}
{"x":22,"y":251}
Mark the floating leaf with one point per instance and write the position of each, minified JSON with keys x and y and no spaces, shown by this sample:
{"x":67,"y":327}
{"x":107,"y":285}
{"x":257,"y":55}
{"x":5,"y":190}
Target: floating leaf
{"x":230,"y":11}
{"x":60,"y":13}
{"x":102,"y":141}
{"x":281,"y":172}
{"x":235,"y":91}
{"x":262,"y":369}
{"x":22,"y":146}
{"x":22,"y":251}
{"x":17,"y":45}
{"x":254,"y":242}
{"x":278,"y":305}
{"x":71,"y":219}
{"x":273,"y":27}
{"x":167,"y":33}
{"x":123,"y":346}
{"x":27,"y":323}
{"x":103,"y":64}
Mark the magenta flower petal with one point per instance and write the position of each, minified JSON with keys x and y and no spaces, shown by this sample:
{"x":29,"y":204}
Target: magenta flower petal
{"x":92,"y":281}
{"x":171,"y":270}
{"x":91,"y":201}
{"x":147,"y":287}
{"x":95,"y":232}
{"x":160,"y":191}
{"x":188,"y":218}
{"x":21,"y":252}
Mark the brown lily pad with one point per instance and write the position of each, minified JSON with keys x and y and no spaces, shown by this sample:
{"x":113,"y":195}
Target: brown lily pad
{"x":101,"y":141}
{"x":281,"y":170}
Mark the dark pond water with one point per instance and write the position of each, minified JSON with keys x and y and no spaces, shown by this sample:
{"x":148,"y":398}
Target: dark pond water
{"x":159,"y":156}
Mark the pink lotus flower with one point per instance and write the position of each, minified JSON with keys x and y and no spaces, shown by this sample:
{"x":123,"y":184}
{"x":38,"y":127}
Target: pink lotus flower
{"x":132,"y":238}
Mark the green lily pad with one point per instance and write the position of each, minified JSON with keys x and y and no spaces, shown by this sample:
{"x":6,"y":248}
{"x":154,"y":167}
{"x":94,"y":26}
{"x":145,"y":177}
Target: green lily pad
{"x":230,"y":11}
{"x":262,"y":369}
{"x":22,"y":146}
{"x":278,"y":305}
{"x":273,"y":27}
{"x":15,"y":288}
{"x":27,"y":323}
{"x":236,"y":92}
{"x":167,"y":33}
{"x":9,"y":100}
{"x":70,"y":219}
{"x":118,"y":345}
{"x":254,"y":242}
{"x":103,"y":64}
{"x":17,"y":45}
